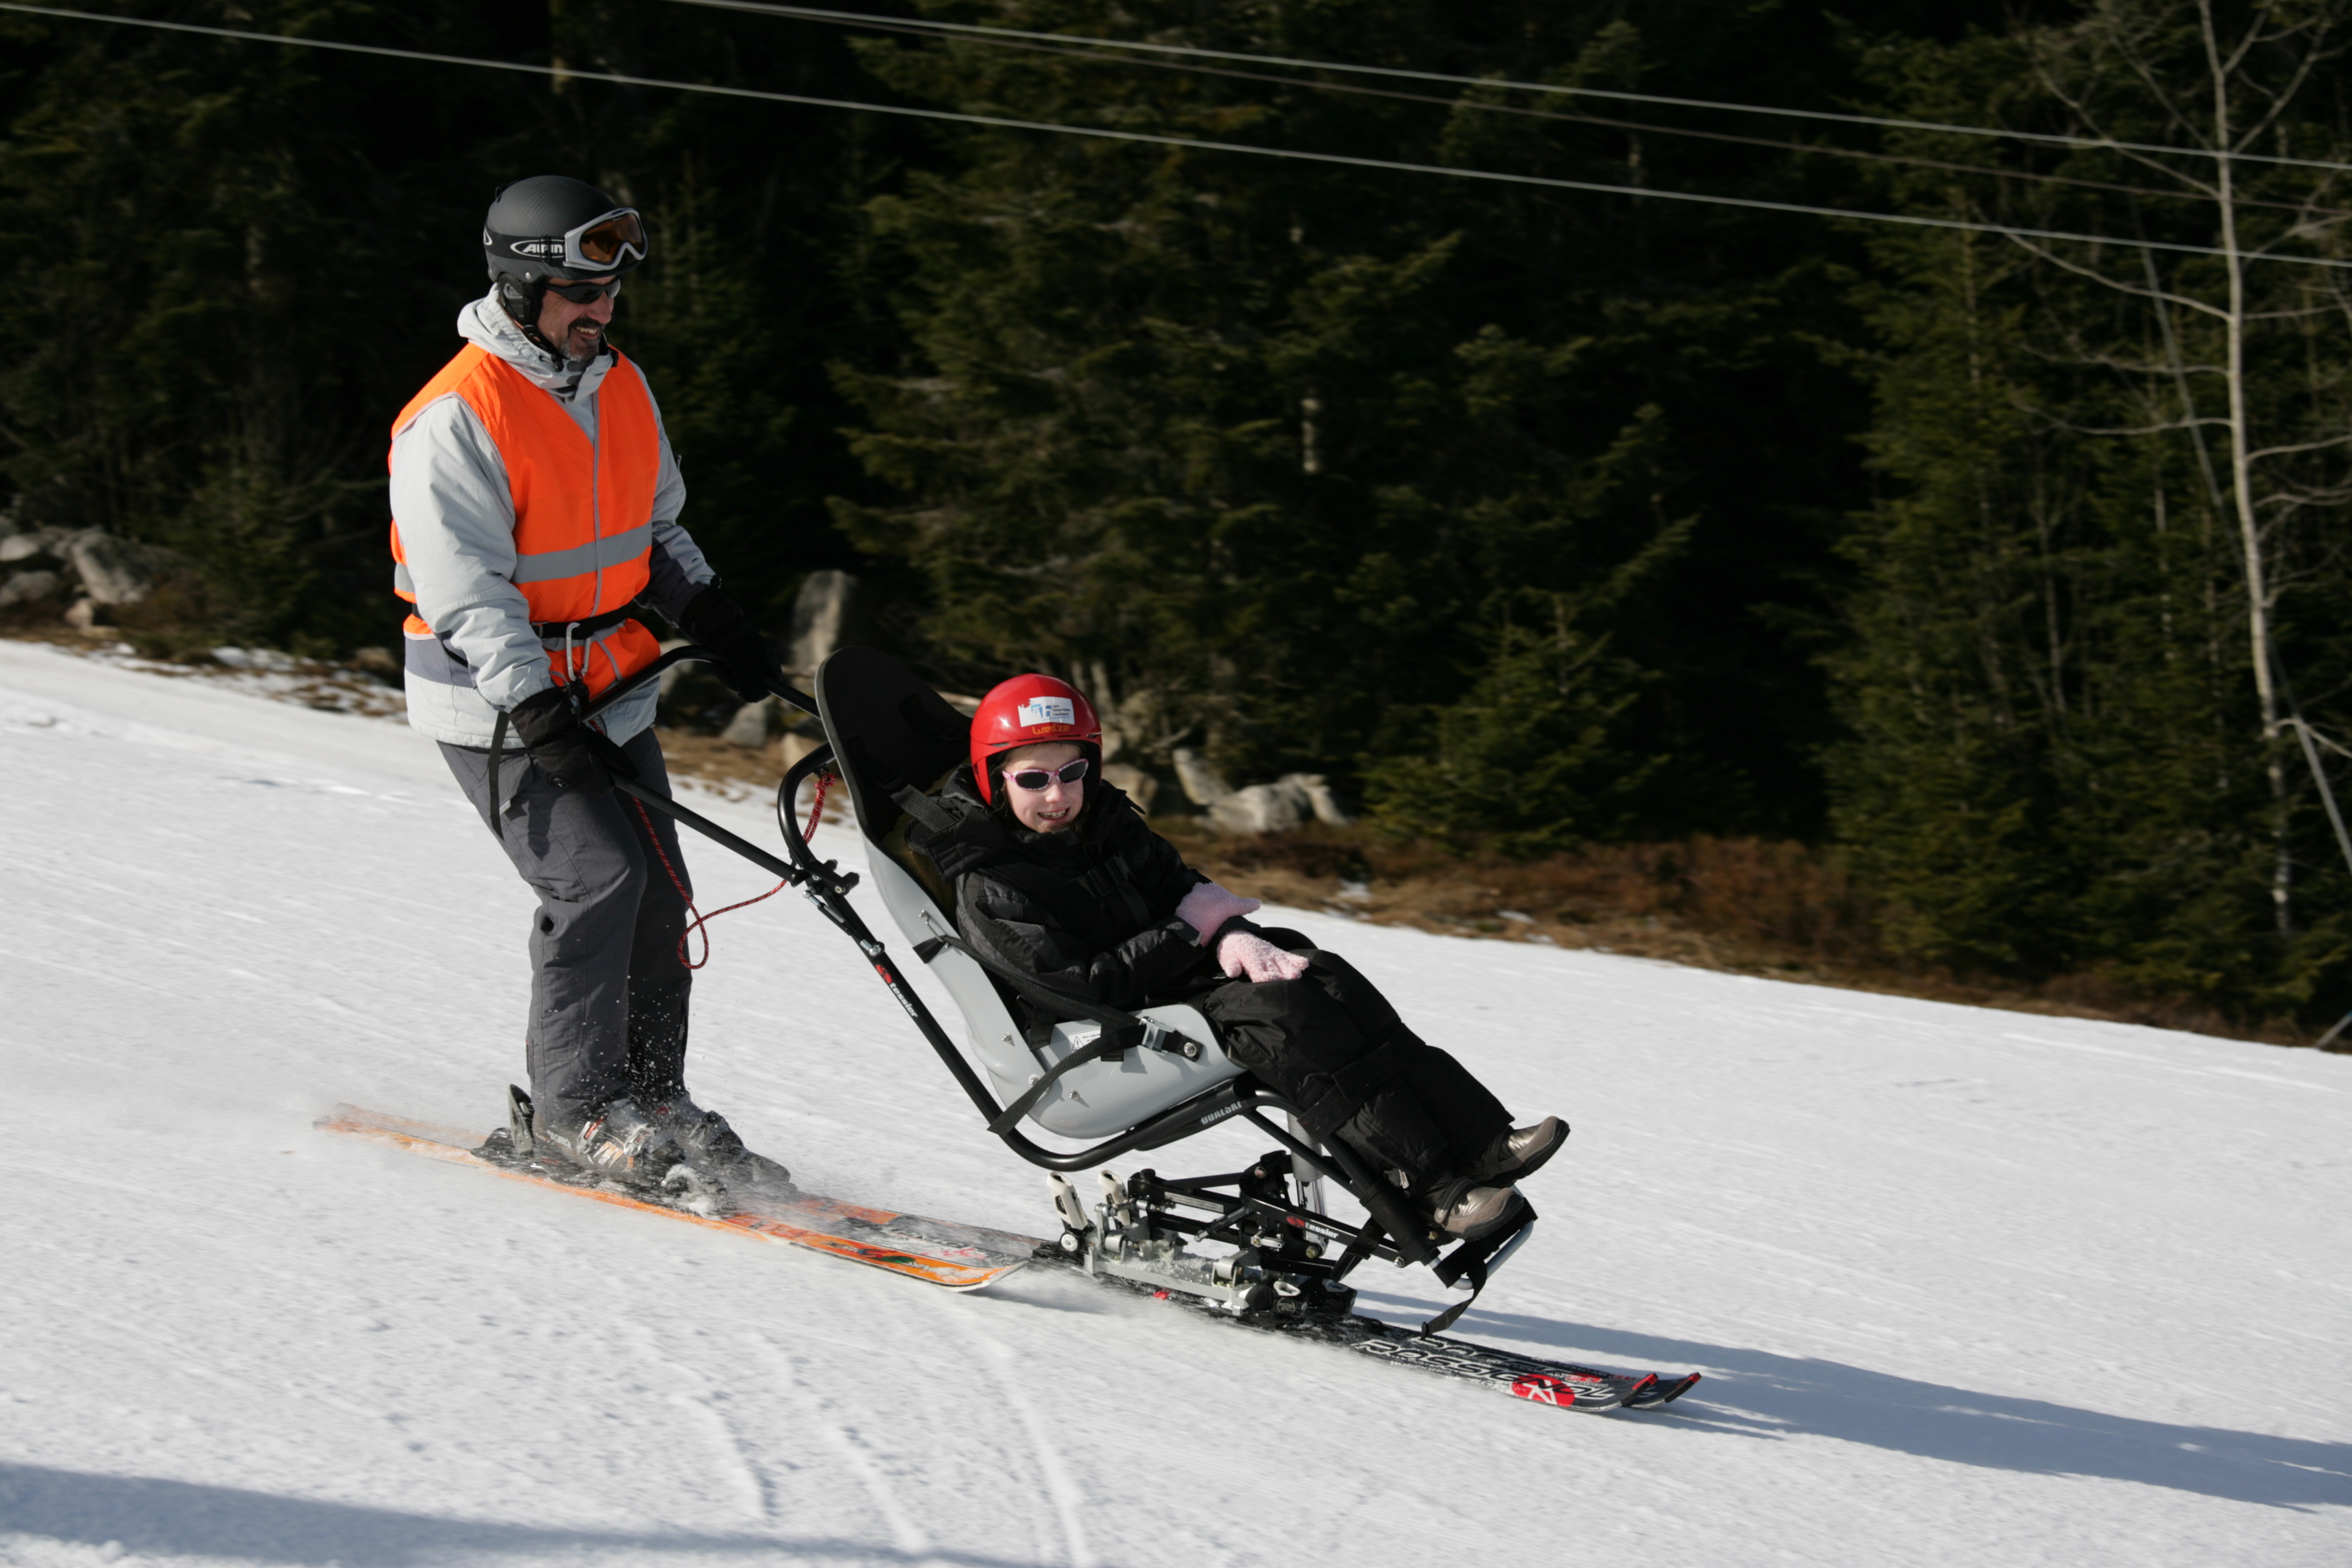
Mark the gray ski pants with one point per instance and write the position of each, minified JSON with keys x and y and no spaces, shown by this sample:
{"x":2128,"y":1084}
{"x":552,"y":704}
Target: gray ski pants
{"x":608,"y":991}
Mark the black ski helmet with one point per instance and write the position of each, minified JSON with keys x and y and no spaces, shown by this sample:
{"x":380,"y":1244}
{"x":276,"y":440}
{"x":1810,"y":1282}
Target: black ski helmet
{"x":553,"y":226}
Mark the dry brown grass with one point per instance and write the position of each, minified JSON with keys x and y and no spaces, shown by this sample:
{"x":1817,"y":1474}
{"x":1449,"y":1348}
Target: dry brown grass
{"x":1744,"y":905}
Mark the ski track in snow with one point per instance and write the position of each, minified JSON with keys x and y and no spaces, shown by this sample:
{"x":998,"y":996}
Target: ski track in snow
{"x":1967,"y":1287}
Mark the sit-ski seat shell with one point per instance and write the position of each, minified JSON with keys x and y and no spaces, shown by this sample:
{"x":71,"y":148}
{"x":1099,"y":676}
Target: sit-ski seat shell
{"x":887,"y":725}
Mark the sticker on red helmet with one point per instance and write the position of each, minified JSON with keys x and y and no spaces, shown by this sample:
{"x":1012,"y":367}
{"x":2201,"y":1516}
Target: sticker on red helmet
{"x":1042,"y":710}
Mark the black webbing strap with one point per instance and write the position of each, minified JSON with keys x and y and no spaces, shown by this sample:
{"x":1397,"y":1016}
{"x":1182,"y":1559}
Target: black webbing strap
{"x":1060,"y":1002}
{"x":498,"y":745}
{"x":1110,"y":1042}
{"x":587,"y":626}
{"x":1122,"y":1031}
{"x":1446,"y":1320}
{"x":1470,"y":1261}
{"x":542,"y":630}
{"x":922,"y":808}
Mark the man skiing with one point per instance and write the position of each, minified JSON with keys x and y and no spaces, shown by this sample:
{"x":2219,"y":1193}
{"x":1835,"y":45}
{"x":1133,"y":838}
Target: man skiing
{"x":535,"y":502}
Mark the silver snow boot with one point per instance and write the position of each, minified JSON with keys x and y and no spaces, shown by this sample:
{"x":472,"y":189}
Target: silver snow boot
{"x":1520,"y":1153}
{"x":1461,"y":1208}
{"x":714,"y":1149}
{"x":619,"y":1140}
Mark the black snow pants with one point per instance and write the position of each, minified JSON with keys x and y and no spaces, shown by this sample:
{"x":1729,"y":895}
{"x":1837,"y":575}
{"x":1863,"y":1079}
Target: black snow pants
{"x":608,"y":991}
{"x":1331,"y":1045}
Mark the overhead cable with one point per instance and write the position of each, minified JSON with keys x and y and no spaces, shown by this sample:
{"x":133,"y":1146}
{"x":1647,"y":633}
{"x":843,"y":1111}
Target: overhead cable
{"x":1192,"y":143}
{"x":812,"y":13}
{"x":1580,"y":117}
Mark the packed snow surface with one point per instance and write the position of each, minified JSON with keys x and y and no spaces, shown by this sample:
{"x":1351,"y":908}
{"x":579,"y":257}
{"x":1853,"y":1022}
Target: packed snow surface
{"x":1968,"y":1287}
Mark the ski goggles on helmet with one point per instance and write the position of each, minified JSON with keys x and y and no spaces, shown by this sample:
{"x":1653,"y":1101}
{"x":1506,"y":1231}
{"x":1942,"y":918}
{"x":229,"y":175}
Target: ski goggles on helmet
{"x":607,"y":243}
{"x":583,"y":293}
{"x":1035,"y":780}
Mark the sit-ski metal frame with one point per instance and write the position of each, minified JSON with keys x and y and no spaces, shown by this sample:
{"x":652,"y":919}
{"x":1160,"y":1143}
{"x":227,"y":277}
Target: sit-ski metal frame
{"x":1288,"y":1269}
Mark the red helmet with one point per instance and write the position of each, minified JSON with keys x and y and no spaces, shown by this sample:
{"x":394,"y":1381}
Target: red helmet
{"x":1024,"y":712}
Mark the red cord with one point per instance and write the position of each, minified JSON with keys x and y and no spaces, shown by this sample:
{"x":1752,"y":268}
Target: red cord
{"x":701,"y":922}
{"x":817,"y":808}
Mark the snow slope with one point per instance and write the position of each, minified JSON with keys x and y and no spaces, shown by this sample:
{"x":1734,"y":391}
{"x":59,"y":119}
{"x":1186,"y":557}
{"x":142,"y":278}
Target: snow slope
{"x":1968,"y":1287}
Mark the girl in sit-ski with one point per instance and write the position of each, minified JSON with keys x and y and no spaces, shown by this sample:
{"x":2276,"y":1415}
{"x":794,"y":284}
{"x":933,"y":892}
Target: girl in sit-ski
{"x":1056,"y":874}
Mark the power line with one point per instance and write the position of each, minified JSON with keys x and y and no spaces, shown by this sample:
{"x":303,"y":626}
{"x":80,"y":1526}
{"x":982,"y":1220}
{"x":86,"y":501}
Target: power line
{"x":1578,"y":117}
{"x":812,"y":13}
{"x":573,"y":73}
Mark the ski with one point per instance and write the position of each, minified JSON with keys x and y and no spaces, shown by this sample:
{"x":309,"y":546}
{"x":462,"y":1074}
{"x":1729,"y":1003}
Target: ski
{"x":966,"y":1258}
{"x":1563,"y":1385}
{"x":938,"y":1252}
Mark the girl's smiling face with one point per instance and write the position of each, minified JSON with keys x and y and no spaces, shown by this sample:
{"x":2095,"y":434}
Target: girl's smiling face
{"x":1054,"y":808}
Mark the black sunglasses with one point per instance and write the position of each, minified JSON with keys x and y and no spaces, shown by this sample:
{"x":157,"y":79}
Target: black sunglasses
{"x":582,"y":293}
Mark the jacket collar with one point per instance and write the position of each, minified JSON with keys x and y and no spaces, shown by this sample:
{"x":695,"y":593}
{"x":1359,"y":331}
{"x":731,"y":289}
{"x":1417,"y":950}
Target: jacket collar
{"x":979,"y":835}
{"x":485,"y":324}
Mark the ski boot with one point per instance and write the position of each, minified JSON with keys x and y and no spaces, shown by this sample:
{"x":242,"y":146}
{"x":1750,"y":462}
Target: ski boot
{"x":619,"y":1142}
{"x":1521,"y":1152}
{"x":715,"y":1150}
{"x":1463,"y":1209}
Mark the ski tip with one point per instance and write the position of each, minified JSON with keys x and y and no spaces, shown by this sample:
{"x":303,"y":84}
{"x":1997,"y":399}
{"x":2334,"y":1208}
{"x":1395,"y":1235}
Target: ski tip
{"x":1661,"y":1391}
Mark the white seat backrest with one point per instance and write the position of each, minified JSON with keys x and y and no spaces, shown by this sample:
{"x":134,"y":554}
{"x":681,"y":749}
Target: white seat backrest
{"x":1097,"y":1101}
{"x":995,"y":1037}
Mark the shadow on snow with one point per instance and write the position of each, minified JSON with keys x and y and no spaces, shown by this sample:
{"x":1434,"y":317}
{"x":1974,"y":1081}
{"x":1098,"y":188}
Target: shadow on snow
{"x":1779,"y":1396}
{"x":166,"y":1518}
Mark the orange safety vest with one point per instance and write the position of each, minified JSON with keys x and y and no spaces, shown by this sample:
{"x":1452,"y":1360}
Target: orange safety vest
{"x":583,"y":508}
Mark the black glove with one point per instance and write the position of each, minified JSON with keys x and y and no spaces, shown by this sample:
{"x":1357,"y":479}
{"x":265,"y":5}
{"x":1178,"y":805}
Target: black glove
{"x":575,"y":756}
{"x":746,"y":662}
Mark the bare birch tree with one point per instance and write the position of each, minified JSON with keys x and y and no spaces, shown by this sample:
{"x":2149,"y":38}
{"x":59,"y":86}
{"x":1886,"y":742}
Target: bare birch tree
{"x":2192,"y":123}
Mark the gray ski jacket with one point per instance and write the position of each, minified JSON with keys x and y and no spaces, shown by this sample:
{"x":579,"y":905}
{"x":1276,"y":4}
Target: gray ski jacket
{"x":456,"y":519}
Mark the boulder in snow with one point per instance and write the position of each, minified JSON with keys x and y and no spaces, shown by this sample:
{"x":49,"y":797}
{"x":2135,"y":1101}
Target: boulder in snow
{"x":33,"y":542}
{"x":26,"y":587}
{"x":755,"y":723}
{"x":828,"y":613}
{"x":1199,"y":780}
{"x":1319,"y":798}
{"x":113,"y":570}
{"x":1274,"y":807}
{"x":1140,"y":786}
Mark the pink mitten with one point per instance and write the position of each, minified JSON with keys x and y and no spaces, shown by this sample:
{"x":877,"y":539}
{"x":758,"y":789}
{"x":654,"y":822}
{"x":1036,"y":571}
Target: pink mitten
{"x":1208,"y":906}
{"x":1248,"y":953}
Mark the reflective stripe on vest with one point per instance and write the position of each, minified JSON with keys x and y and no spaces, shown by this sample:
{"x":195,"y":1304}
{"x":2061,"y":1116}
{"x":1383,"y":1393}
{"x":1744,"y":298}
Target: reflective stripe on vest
{"x":583,"y":508}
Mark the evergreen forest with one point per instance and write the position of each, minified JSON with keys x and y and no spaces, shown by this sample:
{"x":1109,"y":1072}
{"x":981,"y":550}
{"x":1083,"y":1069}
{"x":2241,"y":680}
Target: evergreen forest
{"x":1971,"y":508}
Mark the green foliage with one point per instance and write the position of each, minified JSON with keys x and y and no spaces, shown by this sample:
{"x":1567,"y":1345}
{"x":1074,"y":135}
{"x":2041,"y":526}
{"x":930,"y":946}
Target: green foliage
{"x":2060,"y":757}
{"x":229,"y":266}
{"x":1312,"y":463}
{"x":1535,"y":517}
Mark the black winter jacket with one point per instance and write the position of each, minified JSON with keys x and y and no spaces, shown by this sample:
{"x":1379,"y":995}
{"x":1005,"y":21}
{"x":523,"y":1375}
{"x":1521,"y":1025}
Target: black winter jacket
{"x":1090,"y":910}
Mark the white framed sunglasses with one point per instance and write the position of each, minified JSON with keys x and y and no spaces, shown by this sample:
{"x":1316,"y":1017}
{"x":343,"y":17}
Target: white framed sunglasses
{"x":1035,"y":780}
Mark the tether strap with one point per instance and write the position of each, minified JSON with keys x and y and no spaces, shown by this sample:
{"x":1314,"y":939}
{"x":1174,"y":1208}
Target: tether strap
{"x":497,"y":744}
{"x":543,"y":630}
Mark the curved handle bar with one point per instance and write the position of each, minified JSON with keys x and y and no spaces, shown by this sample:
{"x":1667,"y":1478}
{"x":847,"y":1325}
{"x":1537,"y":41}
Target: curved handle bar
{"x":690,"y":653}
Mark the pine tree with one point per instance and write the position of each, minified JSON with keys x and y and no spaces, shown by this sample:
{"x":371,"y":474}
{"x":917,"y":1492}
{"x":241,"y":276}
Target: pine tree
{"x":2112,"y":469}
{"x":1318,"y":467}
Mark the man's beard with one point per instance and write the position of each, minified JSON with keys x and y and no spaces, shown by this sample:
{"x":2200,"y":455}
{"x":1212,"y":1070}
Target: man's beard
{"x":571,"y":348}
